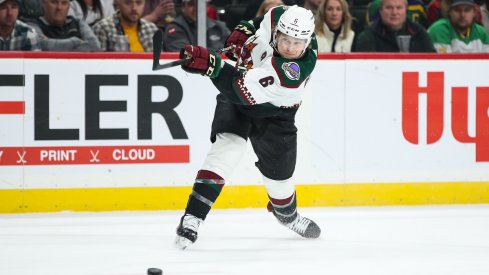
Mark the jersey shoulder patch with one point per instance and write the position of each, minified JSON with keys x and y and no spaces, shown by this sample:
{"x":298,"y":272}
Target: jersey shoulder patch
{"x":293,"y":72}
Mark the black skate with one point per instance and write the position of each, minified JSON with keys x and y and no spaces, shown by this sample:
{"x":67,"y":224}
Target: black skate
{"x":187,"y":231}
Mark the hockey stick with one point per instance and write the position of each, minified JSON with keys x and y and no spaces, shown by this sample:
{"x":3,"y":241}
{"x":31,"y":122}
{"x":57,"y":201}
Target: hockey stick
{"x":158,"y":42}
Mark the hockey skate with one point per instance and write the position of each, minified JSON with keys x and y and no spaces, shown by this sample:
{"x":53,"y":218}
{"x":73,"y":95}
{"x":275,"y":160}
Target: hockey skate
{"x":304,"y":227}
{"x":187,"y":231}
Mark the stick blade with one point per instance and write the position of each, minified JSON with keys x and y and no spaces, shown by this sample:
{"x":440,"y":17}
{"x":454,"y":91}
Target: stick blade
{"x":168,"y":65}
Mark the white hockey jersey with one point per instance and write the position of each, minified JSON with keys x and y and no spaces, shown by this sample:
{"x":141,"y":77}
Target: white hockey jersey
{"x":271,"y":78}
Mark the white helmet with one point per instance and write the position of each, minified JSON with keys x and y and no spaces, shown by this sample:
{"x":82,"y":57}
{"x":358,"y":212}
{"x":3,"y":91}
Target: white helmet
{"x":296,"y":22}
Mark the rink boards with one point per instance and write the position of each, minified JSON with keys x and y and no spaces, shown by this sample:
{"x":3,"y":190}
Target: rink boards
{"x":97,"y":132}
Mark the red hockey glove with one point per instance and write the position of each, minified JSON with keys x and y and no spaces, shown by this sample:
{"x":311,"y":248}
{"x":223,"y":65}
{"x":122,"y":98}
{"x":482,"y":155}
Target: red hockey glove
{"x":198,"y":60}
{"x":238,"y":37}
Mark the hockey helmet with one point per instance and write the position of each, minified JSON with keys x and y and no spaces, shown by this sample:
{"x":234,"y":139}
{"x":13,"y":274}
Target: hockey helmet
{"x":296,"y":22}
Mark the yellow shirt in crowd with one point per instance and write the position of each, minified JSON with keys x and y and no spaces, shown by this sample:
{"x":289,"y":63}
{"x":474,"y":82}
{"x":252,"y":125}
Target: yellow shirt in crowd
{"x":132,"y":35}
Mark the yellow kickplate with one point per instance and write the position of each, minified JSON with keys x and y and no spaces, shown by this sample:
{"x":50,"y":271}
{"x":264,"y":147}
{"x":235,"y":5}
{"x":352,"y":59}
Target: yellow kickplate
{"x":254,"y":196}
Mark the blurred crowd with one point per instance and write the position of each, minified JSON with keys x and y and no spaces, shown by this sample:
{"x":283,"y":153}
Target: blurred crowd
{"x":442,"y":26}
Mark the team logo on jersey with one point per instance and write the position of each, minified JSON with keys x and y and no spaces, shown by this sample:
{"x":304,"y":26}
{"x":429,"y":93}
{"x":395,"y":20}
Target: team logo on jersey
{"x":292,"y":70}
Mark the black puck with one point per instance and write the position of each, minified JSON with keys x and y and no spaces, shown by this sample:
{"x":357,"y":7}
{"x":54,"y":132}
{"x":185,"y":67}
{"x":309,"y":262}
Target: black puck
{"x":154,"y":271}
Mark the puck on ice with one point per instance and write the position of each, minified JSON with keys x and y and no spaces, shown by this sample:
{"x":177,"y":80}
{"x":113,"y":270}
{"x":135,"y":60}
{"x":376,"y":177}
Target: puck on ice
{"x":154,"y":271}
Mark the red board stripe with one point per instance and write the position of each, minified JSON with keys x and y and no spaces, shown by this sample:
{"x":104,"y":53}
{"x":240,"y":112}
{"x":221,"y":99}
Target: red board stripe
{"x":174,"y":55}
{"x":93,"y":155}
{"x":12,"y":107}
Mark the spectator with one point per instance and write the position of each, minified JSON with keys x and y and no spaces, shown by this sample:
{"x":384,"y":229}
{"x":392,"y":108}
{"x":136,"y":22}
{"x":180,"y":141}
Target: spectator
{"x":416,"y":12}
{"x":438,"y":9}
{"x":60,"y":32}
{"x":485,"y":15}
{"x":183,"y":30}
{"x":267,"y":5}
{"x":459,"y":33}
{"x":91,"y":10}
{"x":333,"y":26}
{"x":126,"y":30}
{"x":160,"y":12}
{"x":14,"y":34}
{"x":393,"y":26}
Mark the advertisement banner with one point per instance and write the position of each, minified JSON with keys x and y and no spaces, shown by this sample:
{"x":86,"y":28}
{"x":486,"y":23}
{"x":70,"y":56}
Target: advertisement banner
{"x":79,"y":121}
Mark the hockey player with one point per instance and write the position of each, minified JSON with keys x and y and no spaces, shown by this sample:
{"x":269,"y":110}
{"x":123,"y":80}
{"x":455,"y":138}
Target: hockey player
{"x":258,"y":103}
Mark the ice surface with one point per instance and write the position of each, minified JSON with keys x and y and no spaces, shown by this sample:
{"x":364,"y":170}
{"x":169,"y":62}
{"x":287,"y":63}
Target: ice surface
{"x":357,"y":240}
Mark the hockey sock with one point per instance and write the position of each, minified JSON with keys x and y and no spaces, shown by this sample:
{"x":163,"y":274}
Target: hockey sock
{"x":285,"y":210}
{"x":207,"y":187}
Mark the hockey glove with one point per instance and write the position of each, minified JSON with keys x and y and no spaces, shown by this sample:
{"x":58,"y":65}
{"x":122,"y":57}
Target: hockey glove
{"x":198,"y":60}
{"x":238,"y":37}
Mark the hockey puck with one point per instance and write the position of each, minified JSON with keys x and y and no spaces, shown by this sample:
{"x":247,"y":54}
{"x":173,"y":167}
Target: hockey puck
{"x":154,"y":271}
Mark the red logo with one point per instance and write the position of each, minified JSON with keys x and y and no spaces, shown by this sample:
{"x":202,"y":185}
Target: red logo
{"x":435,"y":92}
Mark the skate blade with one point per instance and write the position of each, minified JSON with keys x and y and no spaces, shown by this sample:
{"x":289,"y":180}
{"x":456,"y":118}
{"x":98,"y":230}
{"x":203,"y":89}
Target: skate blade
{"x":182,"y":242}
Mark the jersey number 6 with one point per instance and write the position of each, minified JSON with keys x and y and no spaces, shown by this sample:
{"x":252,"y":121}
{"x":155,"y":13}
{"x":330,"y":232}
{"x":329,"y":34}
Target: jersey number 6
{"x":266,"y":81}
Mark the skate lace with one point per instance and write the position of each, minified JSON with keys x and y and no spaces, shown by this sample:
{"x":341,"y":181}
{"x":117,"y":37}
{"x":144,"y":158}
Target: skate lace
{"x":299,"y":225}
{"x":191,"y":222}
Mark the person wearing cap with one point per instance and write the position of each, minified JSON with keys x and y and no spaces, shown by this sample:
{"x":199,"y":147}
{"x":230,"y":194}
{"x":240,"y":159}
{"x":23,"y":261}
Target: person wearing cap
{"x":15,"y":35}
{"x":459,"y":33}
{"x":393,"y":26}
{"x":60,"y":32}
{"x":183,"y":30}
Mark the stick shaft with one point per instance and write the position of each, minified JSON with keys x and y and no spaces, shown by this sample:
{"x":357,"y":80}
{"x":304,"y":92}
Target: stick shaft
{"x":158,"y":42}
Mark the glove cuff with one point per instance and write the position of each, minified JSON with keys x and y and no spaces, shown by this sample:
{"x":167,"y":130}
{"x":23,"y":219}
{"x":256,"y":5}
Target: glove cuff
{"x":246,"y":27}
{"x":214,"y":66}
